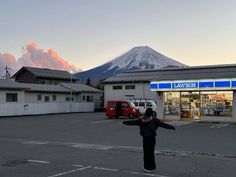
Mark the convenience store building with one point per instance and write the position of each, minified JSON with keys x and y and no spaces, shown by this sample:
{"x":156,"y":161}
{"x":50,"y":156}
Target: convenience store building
{"x":189,"y":93}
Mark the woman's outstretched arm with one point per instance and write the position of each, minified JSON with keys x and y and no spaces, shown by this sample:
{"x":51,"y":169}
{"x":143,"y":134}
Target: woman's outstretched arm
{"x":131,"y":122}
{"x":165,"y":125}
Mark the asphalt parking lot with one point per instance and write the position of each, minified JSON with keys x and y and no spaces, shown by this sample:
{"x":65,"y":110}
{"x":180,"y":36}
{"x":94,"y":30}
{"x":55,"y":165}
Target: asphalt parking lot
{"x":89,"y":144}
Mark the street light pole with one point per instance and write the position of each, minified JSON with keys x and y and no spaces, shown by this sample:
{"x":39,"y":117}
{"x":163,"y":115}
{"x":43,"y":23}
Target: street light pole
{"x":71,"y":72}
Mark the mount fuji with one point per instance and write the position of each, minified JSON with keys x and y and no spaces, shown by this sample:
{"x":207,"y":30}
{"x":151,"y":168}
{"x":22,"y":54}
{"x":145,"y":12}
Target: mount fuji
{"x":138,"y":58}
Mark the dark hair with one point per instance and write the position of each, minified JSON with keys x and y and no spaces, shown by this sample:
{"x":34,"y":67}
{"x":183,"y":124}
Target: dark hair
{"x":148,"y":112}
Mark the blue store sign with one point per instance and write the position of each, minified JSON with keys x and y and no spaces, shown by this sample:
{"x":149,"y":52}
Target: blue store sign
{"x":177,"y":85}
{"x":225,"y":84}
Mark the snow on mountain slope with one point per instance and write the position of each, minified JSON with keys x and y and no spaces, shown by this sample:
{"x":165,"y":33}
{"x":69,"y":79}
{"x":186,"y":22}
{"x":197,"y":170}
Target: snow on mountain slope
{"x":138,"y":58}
{"x":142,"y":57}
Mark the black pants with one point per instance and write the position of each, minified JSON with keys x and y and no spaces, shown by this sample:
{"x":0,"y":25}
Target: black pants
{"x":148,"y":153}
{"x":118,"y":113}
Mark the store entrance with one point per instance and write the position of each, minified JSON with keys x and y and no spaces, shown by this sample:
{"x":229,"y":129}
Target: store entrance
{"x":189,"y":105}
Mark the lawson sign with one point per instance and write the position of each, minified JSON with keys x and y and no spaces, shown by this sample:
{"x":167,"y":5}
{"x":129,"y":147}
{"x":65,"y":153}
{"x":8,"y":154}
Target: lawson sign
{"x":221,"y":84}
{"x":177,"y":85}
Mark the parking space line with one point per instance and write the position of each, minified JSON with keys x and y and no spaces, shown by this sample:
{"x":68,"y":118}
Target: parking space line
{"x":38,"y":161}
{"x":147,"y":174}
{"x":101,"y":121}
{"x":214,"y":126}
{"x":71,"y":171}
{"x":75,"y":165}
{"x":219,"y":125}
{"x":92,"y":146}
{"x":222,"y":126}
{"x":35,"y":142}
{"x":106,"y":169}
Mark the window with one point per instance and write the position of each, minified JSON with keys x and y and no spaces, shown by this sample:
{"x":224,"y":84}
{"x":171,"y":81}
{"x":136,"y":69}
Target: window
{"x":39,"y":97}
{"x":42,"y":82}
{"x":89,"y":99}
{"x":130,"y":87}
{"x":136,"y":103}
{"x":46,"y":99}
{"x":125,"y":105}
{"x":141,"y":103}
{"x":172,"y":103}
{"x":84,"y":98}
{"x":117,"y":87}
{"x":149,"y":104}
{"x":68,"y":99}
{"x":112,"y":105}
{"x":11,"y":97}
{"x":54,"y":97}
{"x":216,"y":103}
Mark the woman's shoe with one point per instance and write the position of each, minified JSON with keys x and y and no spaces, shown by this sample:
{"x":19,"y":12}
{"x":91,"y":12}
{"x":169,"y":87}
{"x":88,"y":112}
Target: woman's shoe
{"x":148,"y":171}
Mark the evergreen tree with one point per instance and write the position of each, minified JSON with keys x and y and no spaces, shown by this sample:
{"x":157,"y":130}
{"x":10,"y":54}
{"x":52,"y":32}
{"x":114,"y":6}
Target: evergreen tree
{"x":88,"y":82}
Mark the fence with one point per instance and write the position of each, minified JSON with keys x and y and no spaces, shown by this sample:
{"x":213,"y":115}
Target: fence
{"x":14,"y":109}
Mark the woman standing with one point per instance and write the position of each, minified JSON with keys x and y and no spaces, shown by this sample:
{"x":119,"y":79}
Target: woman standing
{"x":148,"y":126}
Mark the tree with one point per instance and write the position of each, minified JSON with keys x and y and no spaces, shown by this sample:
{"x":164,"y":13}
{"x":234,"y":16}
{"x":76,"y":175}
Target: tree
{"x":88,"y":82}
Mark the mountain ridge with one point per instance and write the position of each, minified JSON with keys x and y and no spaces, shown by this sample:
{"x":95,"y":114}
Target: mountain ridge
{"x":137,"y":58}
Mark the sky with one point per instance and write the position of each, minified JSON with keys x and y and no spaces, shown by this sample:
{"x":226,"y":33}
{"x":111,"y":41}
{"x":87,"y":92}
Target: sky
{"x":82,"y":34}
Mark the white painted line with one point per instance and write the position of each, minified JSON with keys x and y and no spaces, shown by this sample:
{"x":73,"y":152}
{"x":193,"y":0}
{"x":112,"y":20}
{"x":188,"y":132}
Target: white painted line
{"x":35,"y":142}
{"x":101,"y":121}
{"x":38,"y":161}
{"x":75,"y":165}
{"x":92,"y":146}
{"x":214,"y":126}
{"x":106,"y":169}
{"x":222,"y":126}
{"x":71,"y":171}
{"x":147,"y":174}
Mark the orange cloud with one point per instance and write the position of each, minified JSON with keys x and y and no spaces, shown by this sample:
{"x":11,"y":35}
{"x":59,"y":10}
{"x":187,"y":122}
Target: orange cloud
{"x":36,"y":57}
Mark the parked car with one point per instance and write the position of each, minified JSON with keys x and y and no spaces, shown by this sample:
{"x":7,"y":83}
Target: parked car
{"x":127,"y":108}
{"x":142,"y":105}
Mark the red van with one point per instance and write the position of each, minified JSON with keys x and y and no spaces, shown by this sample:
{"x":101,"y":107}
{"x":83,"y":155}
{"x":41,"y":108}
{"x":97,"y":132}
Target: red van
{"x":127,"y":108}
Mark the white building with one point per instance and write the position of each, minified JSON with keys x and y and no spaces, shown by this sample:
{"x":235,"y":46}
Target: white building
{"x":201,"y":93}
{"x":25,"y":98}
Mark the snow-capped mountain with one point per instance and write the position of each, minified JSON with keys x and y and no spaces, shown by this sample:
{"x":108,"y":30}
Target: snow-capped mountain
{"x":138,"y":58}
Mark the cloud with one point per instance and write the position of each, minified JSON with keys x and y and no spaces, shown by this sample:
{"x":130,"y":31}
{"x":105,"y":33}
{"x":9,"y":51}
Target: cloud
{"x":36,"y":57}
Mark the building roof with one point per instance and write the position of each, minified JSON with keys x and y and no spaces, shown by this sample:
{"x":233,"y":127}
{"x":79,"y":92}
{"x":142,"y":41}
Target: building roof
{"x":169,"y":74}
{"x":46,"y":88}
{"x":46,"y":73}
{"x":81,"y":88}
{"x":61,"y":88}
{"x":10,"y":84}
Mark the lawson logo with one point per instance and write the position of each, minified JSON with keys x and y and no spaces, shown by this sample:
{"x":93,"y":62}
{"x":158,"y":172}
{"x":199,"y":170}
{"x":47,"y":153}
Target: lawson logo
{"x":184,"y":85}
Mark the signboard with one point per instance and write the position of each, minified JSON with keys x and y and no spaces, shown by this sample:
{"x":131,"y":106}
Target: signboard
{"x":178,"y":85}
{"x":220,"y":84}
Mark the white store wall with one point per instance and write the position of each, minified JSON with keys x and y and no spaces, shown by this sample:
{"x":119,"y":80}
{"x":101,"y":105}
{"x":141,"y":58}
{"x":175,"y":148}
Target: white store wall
{"x":141,"y":91}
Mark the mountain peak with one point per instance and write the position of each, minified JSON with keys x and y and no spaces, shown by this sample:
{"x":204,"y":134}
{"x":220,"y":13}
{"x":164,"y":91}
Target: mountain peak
{"x":142,"y":57}
{"x":140,"y":49}
{"x":137,"y":58}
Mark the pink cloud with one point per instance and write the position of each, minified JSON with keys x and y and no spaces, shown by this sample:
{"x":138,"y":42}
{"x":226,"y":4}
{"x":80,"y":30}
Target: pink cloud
{"x":37,"y":57}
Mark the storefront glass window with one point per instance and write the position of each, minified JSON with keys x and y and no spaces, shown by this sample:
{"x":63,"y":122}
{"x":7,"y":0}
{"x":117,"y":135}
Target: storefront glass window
{"x":172,"y":103}
{"x":218,"y":103}
{"x":195,"y":105}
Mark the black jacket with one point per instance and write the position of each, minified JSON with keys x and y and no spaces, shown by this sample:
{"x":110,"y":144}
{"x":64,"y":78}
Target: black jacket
{"x":148,"y":129}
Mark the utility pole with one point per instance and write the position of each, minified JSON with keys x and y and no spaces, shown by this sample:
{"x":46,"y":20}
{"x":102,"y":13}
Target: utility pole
{"x":71,"y":95}
{"x":7,"y":75}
